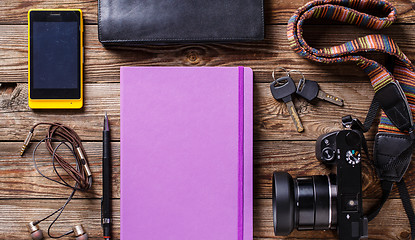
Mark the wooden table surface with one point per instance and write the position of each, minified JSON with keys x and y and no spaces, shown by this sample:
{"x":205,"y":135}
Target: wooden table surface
{"x":25,"y":196}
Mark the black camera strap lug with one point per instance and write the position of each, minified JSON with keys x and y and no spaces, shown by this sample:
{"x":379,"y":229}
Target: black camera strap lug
{"x":352,"y":123}
{"x":356,"y":124}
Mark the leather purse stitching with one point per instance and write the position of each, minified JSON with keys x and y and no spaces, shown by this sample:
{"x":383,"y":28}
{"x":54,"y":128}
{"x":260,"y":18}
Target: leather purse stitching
{"x":177,"y":39}
{"x":263,"y":19}
{"x":99,"y":21}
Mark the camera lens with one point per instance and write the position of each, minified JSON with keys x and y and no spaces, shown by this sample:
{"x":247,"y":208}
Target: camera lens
{"x":305,"y":203}
{"x":283,"y":202}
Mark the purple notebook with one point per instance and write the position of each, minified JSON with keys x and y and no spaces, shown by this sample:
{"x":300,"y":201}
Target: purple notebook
{"x":186,"y":153}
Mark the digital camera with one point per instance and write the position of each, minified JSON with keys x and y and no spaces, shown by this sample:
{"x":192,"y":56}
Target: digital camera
{"x":324,"y":202}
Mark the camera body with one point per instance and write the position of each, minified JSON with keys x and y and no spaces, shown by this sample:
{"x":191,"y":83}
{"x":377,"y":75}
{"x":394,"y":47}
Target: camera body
{"x":324,"y":202}
{"x":343,"y":149}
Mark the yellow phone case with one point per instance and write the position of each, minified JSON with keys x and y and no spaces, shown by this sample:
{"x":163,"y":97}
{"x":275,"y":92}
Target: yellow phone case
{"x":57,"y":103}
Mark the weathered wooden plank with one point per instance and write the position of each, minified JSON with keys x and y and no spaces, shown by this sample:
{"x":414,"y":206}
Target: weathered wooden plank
{"x":390,"y":224}
{"x":276,"y":12}
{"x":102,"y":65}
{"x":18,"y":213}
{"x":19,"y":179}
{"x":271,"y":118}
{"x":17,"y":118}
{"x":15,"y":12}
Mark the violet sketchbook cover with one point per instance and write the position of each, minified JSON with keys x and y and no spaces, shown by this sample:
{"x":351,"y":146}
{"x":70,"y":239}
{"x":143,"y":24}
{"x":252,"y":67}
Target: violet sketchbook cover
{"x":186,"y":153}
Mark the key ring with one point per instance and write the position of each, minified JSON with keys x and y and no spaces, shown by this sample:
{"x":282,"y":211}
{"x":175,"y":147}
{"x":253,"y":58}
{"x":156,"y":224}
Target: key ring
{"x":302,"y":80}
{"x":273,"y":72}
{"x":298,"y":71}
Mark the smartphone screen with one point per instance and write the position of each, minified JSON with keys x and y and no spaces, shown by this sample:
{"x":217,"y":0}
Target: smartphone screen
{"x":55,"y":55}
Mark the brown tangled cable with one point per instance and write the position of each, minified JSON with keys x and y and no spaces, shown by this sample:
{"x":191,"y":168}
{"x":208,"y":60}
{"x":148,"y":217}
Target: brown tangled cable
{"x":60,"y":132}
{"x":57,"y":130}
{"x":81,"y":173}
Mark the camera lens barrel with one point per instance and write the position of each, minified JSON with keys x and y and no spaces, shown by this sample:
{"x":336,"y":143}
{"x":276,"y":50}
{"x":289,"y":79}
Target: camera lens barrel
{"x":325,"y":193}
{"x":304,"y":197}
{"x":283,"y":203}
{"x":305,"y":203}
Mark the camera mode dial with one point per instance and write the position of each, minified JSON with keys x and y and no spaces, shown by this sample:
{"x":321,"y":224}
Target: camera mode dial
{"x":353,"y":157}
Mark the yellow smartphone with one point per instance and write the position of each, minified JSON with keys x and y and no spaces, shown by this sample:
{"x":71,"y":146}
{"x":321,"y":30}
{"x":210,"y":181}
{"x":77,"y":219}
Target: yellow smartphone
{"x":55,"y":58}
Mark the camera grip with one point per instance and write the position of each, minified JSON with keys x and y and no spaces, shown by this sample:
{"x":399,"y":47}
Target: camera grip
{"x":392,"y":155}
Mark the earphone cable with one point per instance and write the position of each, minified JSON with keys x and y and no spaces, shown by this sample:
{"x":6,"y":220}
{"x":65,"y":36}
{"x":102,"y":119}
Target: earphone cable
{"x":60,"y":210}
{"x":80,"y":174}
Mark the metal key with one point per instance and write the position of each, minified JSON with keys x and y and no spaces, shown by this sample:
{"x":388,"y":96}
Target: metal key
{"x":282,"y":89}
{"x":310,"y":90}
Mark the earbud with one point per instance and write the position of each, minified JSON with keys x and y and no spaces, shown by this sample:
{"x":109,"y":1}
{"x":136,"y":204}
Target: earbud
{"x":80,"y":233}
{"x":35,"y":232}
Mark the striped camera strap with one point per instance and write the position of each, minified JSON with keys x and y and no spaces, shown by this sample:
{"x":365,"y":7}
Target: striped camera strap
{"x":402,"y":74}
{"x":348,"y":11}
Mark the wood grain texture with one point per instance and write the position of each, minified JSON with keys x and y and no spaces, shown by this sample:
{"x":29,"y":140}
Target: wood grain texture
{"x":100,"y":98}
{"x":18,"y":178}
{"x":13,"y":225}
{"x":271,"y":118}
{"x":103,"y":65}
{"x":86,"y":212}
{"x":276,"y":12}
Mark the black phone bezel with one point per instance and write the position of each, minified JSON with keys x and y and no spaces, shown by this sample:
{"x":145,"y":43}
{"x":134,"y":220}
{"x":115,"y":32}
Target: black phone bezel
{"x":55,"y":16}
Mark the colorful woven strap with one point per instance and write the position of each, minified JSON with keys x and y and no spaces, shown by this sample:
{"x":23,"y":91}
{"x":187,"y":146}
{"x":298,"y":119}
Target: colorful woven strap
{"x":349,"y":11}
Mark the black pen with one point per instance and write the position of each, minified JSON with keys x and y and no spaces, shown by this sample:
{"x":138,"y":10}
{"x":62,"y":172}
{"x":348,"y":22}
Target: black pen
{"x":106,"y":181}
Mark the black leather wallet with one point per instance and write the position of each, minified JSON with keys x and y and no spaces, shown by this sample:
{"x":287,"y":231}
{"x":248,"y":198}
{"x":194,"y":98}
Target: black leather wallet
{"x":130,"y":22}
